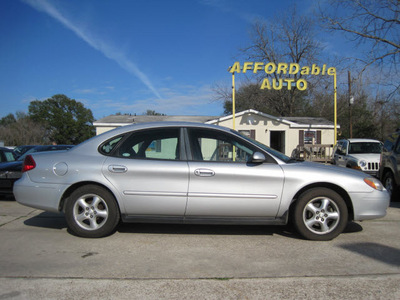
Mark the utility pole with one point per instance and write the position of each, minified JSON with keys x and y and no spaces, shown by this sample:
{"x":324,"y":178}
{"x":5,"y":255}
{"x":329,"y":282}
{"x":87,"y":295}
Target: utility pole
{"x":351,"y":101}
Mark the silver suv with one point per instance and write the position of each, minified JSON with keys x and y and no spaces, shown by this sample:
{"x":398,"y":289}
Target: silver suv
{"x":359,"y":154}
{"x":390,"y":165}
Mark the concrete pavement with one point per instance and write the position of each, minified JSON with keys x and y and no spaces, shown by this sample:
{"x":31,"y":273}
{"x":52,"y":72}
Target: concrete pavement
{"x":40,"y":259}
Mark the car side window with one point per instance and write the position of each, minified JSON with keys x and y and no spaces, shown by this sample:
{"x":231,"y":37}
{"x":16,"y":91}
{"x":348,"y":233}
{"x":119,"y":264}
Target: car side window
{"x":344,"y":147}
{"x":109,"y":145}
{"x":151,"y":144}
{"x":339,"y":148}
{"x":209,"y":145}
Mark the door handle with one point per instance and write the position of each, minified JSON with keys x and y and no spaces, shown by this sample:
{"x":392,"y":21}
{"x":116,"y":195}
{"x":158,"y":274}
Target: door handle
{"x":204,"y":172}
{"x":117,"y":169}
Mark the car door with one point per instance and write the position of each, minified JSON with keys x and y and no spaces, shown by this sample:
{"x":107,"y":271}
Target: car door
{"x":340,"y":155}
{"x":147,"y":170}
{"x":337,"y":152}
{"x":223,"y":184}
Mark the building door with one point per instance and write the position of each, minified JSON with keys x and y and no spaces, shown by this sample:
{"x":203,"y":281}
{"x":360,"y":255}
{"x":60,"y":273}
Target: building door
{"x":277,"y":140}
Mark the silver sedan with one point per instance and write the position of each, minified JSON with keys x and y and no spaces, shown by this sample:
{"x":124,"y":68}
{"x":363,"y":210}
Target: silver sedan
{"x":194,"y":173}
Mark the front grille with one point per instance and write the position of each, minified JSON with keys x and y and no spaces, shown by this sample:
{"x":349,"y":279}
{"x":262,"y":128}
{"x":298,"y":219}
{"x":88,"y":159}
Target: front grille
{"x":373,"y":166}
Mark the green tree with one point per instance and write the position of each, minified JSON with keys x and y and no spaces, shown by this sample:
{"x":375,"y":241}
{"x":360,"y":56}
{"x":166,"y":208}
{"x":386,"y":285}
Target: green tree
{"x":67,"y":121}
{"x":150,"y":112}
{"x":8,"y":120}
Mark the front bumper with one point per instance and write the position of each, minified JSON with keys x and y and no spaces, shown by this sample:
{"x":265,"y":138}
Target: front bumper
{"x":370,"y":205}
{"x":372,"y":173}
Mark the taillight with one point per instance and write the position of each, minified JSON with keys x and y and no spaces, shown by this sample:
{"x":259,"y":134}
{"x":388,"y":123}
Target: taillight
{"x":29,"y":164}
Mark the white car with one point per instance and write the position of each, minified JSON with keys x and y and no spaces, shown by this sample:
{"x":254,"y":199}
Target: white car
{"x":359,"y":154}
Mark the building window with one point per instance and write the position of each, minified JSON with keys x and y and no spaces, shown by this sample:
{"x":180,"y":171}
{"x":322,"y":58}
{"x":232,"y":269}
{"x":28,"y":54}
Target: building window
{"x":308,"y":137}
{"x":249,"y":133}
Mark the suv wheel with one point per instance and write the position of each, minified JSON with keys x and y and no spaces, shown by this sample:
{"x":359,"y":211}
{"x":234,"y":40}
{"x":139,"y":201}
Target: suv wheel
{"x":390,"y":184}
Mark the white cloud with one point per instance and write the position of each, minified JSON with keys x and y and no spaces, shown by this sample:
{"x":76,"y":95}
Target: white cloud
{"x":178,"y":100}
{"x":105,"y":48}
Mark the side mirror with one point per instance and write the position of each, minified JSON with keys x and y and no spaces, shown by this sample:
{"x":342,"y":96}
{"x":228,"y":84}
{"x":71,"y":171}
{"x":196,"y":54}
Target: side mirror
{"x":257,"y":157}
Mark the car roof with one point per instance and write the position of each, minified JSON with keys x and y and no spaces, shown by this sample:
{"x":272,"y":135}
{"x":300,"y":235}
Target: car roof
{"x":357,"y":140}
{"x":150,"y":125}
{"x":5,"y":149}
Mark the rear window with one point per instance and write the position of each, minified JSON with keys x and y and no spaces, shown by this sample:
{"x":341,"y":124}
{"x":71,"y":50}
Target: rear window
{"x":108,"y":146}
{"x":9,"y":156}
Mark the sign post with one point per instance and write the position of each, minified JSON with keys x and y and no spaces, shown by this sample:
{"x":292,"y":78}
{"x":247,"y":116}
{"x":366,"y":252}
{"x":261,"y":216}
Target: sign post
{"x":335,"y":106}
{"x":233,"y":99}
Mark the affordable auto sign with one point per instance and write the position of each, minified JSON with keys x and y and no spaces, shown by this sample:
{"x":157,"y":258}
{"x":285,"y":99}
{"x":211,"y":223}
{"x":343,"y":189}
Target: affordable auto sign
{"x":284,"y":69}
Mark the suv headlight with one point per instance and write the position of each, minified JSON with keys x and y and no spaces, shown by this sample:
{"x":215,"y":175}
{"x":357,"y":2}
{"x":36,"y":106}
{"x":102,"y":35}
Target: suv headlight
{"x":374,"y":183}
{"x":362,"y":163}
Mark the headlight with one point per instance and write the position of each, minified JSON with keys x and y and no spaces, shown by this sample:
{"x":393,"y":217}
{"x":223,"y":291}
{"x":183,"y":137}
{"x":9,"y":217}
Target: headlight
{"x":374,"y":183}
{"x":363,"y":163}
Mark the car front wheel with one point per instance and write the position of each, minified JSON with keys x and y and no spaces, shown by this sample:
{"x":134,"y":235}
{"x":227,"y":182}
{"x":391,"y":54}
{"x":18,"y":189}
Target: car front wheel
{"x":91,"y":211}
{"x":320,"y":214}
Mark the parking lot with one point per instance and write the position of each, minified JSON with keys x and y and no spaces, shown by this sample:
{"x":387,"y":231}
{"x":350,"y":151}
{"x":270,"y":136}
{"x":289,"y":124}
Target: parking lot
{"x":41,"y":259}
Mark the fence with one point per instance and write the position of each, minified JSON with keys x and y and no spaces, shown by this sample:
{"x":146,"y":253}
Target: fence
{"x":314,"y":152}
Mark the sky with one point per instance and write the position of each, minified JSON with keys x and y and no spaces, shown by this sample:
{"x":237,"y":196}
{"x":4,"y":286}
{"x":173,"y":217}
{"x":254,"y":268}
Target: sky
{"x":125,"y":56}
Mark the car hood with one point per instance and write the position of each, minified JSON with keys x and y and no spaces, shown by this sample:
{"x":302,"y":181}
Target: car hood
{"x":369,"y":157}
{"x":11,"y":166}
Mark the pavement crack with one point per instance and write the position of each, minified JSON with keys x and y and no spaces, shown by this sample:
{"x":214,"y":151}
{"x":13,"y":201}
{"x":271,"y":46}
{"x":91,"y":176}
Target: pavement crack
{"x":89,"y":254}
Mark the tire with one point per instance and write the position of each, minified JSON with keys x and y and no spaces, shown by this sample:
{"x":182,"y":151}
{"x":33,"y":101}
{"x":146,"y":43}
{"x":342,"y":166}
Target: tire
{"x":320,"y":214}
{"x":92,"y":212}
{"x":390,"y":185}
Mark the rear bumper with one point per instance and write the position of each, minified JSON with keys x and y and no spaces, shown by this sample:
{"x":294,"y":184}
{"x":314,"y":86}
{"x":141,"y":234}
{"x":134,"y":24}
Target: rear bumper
{"x":45,"y":196}
{"x":370,"y":205}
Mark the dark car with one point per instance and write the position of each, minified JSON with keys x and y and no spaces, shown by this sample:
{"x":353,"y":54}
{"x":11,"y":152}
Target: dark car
{"x":390,"y":165}
{"x":6,"y":155}
{"x":11,"y":171}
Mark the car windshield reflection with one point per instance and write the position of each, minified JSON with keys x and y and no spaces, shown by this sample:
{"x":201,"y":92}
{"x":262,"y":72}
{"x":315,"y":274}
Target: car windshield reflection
{"x":274,"y":152}
{"x":365,"y":147}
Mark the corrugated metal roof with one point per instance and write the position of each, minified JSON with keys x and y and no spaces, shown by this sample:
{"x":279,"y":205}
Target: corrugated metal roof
{"x":309,"y":121}
{"x":131,"y":119}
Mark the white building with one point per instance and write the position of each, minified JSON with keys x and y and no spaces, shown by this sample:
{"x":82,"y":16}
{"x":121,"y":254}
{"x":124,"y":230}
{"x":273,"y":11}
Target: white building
{"x":281,"y":133}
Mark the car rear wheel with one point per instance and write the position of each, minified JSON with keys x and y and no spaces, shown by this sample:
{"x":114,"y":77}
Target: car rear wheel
{"x":320,"y":214}
{"x":91,"y":211}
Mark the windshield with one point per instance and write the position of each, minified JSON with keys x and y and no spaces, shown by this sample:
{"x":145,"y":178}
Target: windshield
{"x":271,"y":151}
{"x":365,"y":147}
